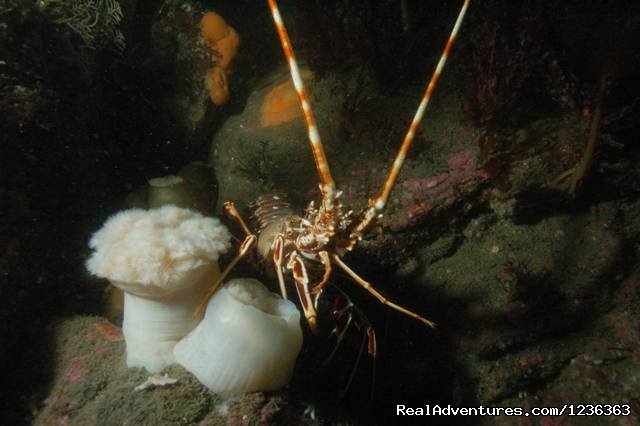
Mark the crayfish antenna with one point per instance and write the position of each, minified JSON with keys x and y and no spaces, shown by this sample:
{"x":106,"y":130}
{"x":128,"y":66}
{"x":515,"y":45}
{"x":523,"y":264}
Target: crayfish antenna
{"x":327,"y":185}
{"x":377,"y":205}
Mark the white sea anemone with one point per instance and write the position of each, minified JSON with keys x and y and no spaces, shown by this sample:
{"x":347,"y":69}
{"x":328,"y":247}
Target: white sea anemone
{"x":164,"y":259}
{"x":248,"y":340}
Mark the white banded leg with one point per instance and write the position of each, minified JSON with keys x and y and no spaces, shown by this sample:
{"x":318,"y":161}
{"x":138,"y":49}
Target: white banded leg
{"x":278,"y":253}
{"x":296,"y":265}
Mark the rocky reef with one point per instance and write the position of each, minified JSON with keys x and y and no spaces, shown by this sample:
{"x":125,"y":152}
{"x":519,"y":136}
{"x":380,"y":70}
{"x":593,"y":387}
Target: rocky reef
{"x":534,"y":286}
{"x":92,"y":385}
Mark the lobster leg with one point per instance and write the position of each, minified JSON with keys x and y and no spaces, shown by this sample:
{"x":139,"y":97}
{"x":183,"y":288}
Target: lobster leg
{"x":326,"y":261}
{"x":377,"y":205}
{"x":231,"y":210}
{"x":246,"y":246}
{"x":278,"y":252}
{"x":296,"y":264}
{"x":339,"y":331}
{"x":379,"y":296}
{"x":249,"y":242}
{"x":354,"y":317}
{"x":278,"y":244}
{"x":373,"y":343}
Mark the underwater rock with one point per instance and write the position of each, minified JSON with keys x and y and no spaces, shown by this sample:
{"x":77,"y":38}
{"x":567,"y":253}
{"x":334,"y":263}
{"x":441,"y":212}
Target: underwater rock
{"x":266,"y":146}
{"x":202,"y":179}
{"x":512,"y":171}
{"x":534,"y":313}
{"x":422,"y":197}
{"x":528,"y":159}
{"x":92,"y":385}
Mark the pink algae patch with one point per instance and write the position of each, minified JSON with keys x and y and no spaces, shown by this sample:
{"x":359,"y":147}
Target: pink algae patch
{"x":76,"y":369}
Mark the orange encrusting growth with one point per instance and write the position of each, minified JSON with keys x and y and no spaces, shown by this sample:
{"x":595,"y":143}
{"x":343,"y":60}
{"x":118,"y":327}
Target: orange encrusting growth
{"x":217,"y":84}
{"x":280,"y":105}
{"x":223,"y":41}
{"x":221,"y":37}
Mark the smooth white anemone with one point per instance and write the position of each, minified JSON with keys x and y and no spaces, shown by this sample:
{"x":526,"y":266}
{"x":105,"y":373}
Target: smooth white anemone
{"x":164,"y":260}
{"x":248,"y":340}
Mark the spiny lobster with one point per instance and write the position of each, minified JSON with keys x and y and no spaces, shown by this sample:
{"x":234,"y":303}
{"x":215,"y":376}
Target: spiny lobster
{"x":324,"y":234}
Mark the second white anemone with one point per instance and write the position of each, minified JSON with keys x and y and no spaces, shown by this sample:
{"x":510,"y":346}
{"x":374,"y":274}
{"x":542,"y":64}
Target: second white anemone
{"x":248,"y":340}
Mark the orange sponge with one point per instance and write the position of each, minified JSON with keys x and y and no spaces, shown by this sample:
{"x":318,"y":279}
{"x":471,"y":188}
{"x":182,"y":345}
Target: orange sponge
{"x":224,"y":42}
{"x":227,"y":48}
{"x":281,"y":105}
{"x":217,"y":84}
{"x":222,"y":38}
{"x":213,"y":27}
